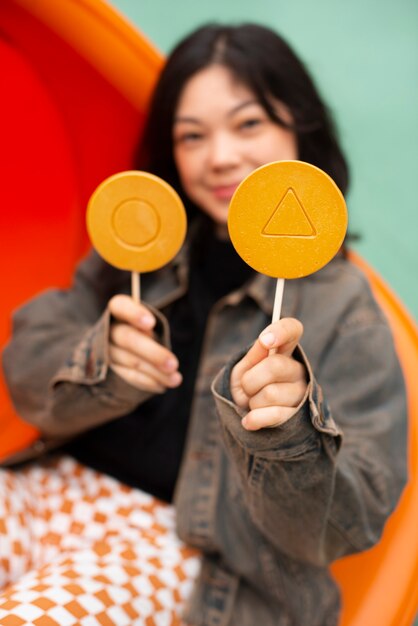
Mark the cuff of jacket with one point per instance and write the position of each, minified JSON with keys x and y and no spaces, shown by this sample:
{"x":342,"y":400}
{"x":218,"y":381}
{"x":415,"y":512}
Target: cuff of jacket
{"x":311,"y":416}
{"x":89,"y":362}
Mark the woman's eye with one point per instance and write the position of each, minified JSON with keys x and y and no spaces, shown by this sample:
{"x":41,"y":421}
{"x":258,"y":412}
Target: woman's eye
{"x":250,"y":123}
{"x":188,"y":138}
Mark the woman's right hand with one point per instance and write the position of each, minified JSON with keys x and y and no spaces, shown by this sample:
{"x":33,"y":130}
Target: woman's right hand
{"x":134,"y":353}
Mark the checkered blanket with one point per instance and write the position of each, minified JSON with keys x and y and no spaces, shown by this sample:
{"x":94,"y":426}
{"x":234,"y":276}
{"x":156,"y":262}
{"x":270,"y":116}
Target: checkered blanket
{"x":78,"y":547}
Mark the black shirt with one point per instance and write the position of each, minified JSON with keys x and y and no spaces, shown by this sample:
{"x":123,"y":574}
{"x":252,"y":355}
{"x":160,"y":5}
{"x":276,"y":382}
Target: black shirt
{"x":144,"y":448}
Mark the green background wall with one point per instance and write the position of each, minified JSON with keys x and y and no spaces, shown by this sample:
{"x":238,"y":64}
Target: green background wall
{"x":364,"y":56}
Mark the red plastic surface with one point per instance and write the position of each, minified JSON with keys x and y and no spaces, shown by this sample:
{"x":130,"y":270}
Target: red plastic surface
{"x":63,"y":128}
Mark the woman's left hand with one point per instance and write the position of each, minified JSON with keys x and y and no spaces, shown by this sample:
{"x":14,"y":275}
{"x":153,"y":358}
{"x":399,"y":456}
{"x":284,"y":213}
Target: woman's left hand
{"x":270,"y":383}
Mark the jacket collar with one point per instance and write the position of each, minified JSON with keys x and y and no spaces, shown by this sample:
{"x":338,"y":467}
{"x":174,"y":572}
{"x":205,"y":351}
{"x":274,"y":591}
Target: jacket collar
{"x":262,"y":290}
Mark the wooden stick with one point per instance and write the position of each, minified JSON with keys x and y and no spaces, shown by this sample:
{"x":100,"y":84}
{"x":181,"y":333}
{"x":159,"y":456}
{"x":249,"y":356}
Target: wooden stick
{"x":278,"y":299}
{"x":277,"y":306}
{"x":136,"y":286}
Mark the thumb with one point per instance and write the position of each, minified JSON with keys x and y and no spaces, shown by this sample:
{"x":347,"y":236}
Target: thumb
{"x":282,"y":336}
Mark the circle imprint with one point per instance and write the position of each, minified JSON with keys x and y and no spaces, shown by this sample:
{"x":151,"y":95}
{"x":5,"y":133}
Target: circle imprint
{"x":136,"y":223}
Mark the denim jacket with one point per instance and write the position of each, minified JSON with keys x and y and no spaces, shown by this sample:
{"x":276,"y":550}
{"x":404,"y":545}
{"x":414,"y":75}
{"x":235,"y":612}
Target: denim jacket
{"x":270,"y":510}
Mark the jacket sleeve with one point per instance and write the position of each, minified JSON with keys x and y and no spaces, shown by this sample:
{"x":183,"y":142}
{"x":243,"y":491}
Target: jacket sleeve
{"x":56,"y":364}
{"x":323,"y":484}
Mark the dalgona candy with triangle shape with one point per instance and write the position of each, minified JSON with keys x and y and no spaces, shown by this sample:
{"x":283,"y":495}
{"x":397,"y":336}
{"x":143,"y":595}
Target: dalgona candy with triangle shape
{"x":287,"y":219}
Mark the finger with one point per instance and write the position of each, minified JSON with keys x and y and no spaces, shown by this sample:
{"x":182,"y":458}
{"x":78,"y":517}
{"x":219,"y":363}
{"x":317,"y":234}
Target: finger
{"x":267,"y":417}
{"x":143,"y":347}
{"x":255,"y":371}
{"x":276,"y":368}
{"x":138,"y":379}
{"x":173,"y":379}
{"x":125,"y":309}
{"x":282,"y":394}
{"x":238,"y":394}
{"x":254,"y":355}
{"x":127,"y":360}
{"x":283,"y":335}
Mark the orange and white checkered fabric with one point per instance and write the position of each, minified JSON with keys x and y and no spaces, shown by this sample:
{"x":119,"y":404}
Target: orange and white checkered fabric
{"x":79,"y":548}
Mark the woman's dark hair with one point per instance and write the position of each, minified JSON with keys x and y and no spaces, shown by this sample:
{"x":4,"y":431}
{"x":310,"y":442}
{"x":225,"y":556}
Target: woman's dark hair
{"x":264,"y":62}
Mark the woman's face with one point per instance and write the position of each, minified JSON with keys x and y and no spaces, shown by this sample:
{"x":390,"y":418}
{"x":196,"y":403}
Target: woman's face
{"x":220,"y":135}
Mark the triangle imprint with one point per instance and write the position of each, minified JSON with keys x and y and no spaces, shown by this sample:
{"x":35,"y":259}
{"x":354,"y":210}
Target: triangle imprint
{"x":289,"y":219}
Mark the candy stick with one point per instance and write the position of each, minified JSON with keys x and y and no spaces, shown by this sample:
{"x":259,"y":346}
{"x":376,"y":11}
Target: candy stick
{"x":277,"y":306}
{"x":136,"y":286}
{"x":278,"y":299}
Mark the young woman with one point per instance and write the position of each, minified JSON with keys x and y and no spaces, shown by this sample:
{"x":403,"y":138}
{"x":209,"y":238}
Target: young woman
{"x":277,"y":462}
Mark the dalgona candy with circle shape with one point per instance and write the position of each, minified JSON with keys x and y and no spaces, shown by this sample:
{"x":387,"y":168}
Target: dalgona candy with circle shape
{"x":136,"y":221}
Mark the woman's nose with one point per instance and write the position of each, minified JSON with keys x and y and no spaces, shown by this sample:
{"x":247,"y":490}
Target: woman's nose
{"x":223,"y":152}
